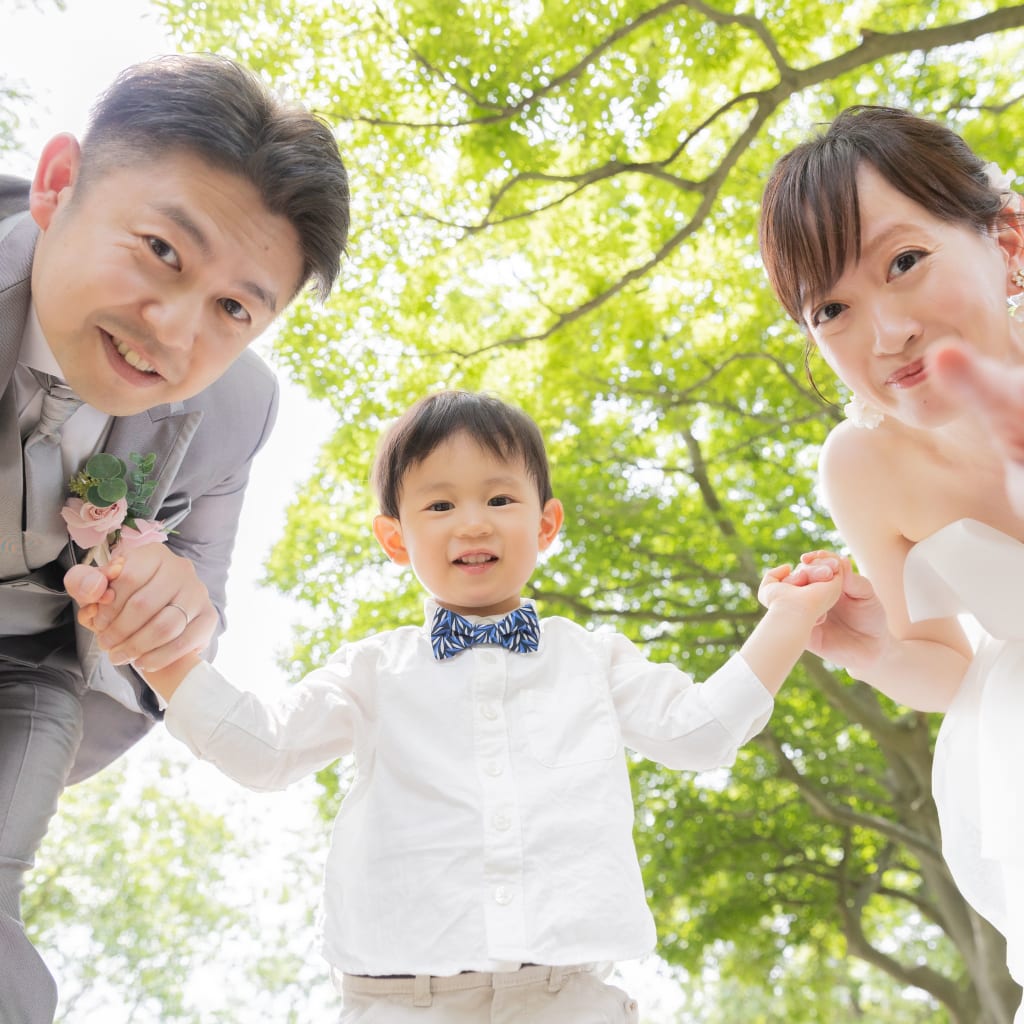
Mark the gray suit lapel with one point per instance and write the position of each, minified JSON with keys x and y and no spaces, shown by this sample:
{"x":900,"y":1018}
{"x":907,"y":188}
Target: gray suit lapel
{"x":16,"y":248}
{"x":167,"y":431}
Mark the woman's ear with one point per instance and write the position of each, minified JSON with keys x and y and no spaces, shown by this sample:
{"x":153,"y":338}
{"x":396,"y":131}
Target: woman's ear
{"x":551,"y":518}
{"x":1010,"y":237}
{"x":55,"y":172}
{"x":388,"y":532}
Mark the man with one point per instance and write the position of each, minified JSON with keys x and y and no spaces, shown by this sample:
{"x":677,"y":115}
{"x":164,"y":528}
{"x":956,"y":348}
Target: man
{"x":136,"y":269}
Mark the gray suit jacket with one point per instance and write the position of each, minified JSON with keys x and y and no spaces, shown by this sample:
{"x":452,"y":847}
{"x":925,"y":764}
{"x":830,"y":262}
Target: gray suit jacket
{"x":204,"y":450}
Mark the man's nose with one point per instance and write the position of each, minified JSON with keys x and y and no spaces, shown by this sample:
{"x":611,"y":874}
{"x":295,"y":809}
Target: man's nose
{"x":174,"y":322}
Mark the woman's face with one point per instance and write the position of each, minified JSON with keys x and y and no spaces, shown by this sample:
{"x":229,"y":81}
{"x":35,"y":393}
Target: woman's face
{"x":919,"y":281}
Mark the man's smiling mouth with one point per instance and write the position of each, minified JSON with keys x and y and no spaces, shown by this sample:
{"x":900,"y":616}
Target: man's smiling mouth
{"x":131,"y":357}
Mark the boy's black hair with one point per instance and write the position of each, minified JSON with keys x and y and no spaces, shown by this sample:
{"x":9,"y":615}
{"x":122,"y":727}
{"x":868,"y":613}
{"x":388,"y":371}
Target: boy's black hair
{"x":493,"y":424}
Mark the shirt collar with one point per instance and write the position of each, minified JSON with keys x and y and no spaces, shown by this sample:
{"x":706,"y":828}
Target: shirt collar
{"x":430,"y":606}
{"x":35,"y":350}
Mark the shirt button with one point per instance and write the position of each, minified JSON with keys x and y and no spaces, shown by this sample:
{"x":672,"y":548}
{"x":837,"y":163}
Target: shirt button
{"x":502,"y":822}
{"x":489,"y":711}
{"x":494,"y":768}
{"x":503,"y":895}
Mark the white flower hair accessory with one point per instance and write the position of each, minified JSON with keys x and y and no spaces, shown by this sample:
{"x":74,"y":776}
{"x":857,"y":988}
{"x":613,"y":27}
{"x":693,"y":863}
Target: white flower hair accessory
{"x":863,"y":414}
{"x":999,"y":180}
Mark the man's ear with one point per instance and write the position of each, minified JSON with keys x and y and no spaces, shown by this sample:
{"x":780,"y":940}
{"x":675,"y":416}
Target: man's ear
{"x":56,"y":171}
{"x":551,"y":518}
{"x":388,"y":532}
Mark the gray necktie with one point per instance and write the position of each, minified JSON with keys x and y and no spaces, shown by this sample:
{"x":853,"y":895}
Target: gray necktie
{"x":45,"y":486}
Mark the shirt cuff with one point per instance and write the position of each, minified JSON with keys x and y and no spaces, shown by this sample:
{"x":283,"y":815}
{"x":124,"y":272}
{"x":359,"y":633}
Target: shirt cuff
{"x":738,"y":699}
{"x":198,"y":707}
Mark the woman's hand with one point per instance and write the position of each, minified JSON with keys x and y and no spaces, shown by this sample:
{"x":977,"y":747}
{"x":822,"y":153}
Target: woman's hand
{"x":853,"y":631}
{"x":994,"y":392}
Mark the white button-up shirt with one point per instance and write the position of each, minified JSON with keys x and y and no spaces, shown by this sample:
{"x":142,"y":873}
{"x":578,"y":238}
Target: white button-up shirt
{"x":490,"y":822}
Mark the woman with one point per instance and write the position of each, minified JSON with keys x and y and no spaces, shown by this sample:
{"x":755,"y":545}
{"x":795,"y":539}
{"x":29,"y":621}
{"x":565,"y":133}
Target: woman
{"x":901,"y":253}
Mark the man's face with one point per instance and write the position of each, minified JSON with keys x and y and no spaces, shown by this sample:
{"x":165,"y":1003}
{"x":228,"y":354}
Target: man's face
{"x":151,"y":279}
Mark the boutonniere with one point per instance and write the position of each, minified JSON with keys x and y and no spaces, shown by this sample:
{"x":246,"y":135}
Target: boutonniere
{"x":110,"y":512}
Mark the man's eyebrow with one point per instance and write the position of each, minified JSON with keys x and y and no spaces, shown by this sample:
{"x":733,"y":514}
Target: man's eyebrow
{"x":178,"y":216}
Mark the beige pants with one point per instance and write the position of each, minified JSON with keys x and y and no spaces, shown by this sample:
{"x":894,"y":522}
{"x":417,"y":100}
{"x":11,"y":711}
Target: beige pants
{"x":531,"y":995}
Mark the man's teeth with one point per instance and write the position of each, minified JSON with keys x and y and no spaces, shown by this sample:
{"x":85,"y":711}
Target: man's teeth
{"x":132,"y":358}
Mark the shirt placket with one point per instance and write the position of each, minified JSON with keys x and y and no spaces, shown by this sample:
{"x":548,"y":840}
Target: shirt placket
{"x":504,"y":912}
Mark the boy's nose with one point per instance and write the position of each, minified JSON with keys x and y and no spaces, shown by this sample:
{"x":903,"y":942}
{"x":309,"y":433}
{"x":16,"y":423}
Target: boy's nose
{"x":474,"y":525}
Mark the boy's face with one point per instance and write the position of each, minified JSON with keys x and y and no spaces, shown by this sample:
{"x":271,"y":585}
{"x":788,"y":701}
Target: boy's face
{"x":151,"y":279}
{"x":471,"y":526}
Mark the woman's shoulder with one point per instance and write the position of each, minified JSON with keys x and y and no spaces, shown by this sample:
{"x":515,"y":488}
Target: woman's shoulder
{"x":866,"y":476}
{"x":864,"y":454}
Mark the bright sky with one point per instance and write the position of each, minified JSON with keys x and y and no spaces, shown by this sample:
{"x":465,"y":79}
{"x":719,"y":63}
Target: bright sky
{"x":43,"y":49}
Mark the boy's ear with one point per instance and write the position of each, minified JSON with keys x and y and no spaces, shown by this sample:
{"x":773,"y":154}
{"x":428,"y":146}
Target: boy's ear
{"x":388,"y":532}
{"x":56,"y":171}
{"x":551,"y":517}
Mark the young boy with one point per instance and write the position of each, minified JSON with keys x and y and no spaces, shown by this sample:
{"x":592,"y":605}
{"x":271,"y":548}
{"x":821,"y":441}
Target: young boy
{"x":482,"y":866}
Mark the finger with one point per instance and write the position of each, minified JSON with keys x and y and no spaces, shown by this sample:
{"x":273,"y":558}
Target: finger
{"x":194,"y":638}
{"x":87,"y":615}
{"x":85,"y":584}
{"x":810,"y":556}
{"x":1015,"y":486}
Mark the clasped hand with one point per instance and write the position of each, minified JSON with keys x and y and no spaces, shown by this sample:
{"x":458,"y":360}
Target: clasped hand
{"x":148,"y":607}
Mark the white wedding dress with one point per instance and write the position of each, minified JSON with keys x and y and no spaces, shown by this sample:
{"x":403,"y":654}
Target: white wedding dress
{"x":978,"y":772}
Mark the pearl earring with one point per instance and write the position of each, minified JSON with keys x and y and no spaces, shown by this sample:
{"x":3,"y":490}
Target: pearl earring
{"x":1017,"y":277}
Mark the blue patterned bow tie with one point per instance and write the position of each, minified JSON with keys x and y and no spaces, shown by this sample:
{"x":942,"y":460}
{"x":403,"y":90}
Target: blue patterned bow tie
{"x":450,"y":633}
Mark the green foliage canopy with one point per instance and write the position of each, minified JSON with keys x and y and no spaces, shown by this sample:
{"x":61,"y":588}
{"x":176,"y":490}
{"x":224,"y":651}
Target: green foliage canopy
{"x":558,"y":201}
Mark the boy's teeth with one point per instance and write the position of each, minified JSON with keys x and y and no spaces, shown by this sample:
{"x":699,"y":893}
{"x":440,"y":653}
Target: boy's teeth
{"x":132,"y":358}
{"x":475,"y":559}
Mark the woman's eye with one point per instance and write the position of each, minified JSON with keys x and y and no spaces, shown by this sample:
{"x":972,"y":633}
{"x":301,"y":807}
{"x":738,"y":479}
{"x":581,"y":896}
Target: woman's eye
{"x":827,"y":312}
{"x":906,"y":261}
{"x":235,"y":310}
{"x":163,"y":251}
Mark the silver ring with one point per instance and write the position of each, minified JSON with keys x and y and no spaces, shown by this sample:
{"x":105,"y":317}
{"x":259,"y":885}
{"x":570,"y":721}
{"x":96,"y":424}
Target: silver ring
{"x":182,"y":610}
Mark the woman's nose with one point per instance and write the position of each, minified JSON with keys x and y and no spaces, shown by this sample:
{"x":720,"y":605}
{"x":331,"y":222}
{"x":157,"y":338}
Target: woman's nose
{"x":893,"y":328}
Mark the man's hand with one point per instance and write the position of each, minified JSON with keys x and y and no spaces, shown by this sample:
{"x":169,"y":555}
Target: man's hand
{"x":149,"y":608}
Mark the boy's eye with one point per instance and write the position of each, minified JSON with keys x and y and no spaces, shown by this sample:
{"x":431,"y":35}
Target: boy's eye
{"x":501,"y":499}
{"x":440,"y":506}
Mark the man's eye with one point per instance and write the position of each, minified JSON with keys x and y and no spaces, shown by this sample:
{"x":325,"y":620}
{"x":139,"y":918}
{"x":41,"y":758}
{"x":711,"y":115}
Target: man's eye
{"x":235,"y":310}
{"x":163,"y":252}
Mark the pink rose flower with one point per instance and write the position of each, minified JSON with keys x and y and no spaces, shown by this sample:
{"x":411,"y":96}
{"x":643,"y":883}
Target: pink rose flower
{"x":89,"y":525}
{"x":146,"y":531}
